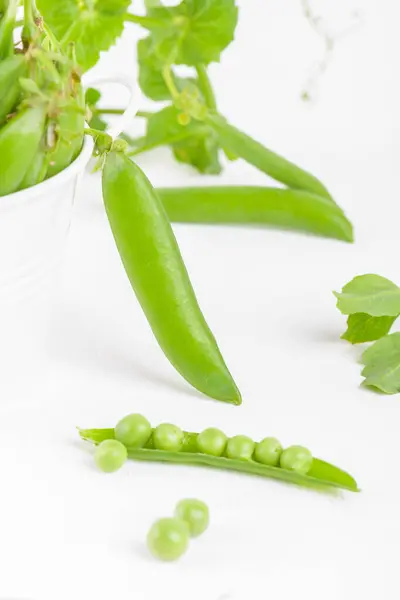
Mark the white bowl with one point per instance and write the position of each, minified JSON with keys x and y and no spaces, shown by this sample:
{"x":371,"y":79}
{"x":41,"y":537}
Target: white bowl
{"x":34,"y":223}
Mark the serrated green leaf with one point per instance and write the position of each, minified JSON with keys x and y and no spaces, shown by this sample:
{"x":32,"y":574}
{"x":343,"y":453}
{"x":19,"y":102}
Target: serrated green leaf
{"x":195,"y":31}
{"x":382,"y":364}
{"x":93,"y":25}
{"x":371,"y":294}
{"x":365,"y":328}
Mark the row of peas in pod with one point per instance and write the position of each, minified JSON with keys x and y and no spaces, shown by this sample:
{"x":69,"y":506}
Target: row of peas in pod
{"x":42,"y":104}
{"x":134,"y":431}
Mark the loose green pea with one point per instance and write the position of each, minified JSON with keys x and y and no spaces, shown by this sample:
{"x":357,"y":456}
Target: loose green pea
{"x":296,"y":458}
{"x":168,"y":437}
{"x":268,"y":451}
{"x":211,"y":441}
{"x":240,"y":446}
{"x":110,"y":455}
{"x":195,"y":513}
{"x":133,"y":430}
{"x":168,"y":539}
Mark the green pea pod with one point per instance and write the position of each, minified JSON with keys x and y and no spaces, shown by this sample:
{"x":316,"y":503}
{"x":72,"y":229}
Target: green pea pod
{"x":157,"y":273}
{"x":11,"y":69}
{"x":69,"y":128}
{"x":37,"y":169}
{"x":285,"y":208}
{"x":19,"y":143}
{"x":239,"y":144}
{"x":7,"y":24}
{"x":322,"y":475}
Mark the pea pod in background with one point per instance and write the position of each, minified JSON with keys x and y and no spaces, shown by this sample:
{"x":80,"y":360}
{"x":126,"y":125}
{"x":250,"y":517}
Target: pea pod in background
{"x":11,"y":69}
{"x":19,"y":143}
{"x":7,"y":24}
{"x":243,"y":146}
{"x":37,"y":169}
{"x":285,"y":208}
{"x":157,"y":273}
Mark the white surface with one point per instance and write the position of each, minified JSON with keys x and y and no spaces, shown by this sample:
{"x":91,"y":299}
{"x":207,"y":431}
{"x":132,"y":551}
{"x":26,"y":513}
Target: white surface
{"x":68,"y":531}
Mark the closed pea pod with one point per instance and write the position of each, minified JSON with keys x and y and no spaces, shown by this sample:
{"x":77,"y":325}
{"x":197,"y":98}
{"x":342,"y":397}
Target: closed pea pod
{"x":19,"y":142}
{"x":157,"y":273}
{"x":7,"y":24}
{"x":11,"y":70}
{"x":243,"y":146}
{"x":37,"y":169}
{"x":252,"y":205}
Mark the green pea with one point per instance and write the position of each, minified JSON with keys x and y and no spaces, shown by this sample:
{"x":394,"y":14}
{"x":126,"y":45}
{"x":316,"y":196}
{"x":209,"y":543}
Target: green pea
{"x":211,"y":441}
{"x":110,"y":455}
{"x":133,"y":431}
{"x":296,"y":458}
{"x":168,"y":538}
{"x":268,"y":451}
{"x":168,"y":437}
{"x":195,"y":513}
{"x":240,"y":446}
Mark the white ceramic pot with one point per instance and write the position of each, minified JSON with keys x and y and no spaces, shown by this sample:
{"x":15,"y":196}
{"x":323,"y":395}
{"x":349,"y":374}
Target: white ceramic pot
{"x":34,"y":223}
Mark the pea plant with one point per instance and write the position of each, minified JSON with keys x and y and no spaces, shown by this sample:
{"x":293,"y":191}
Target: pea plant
{"x":194,"y":33}
{"x":372,"y":305}
{"x":42,"y":130}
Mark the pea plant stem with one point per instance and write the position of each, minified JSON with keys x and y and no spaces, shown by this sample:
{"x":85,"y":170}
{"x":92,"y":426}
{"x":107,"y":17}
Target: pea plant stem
{"x":206,"y":87}
{"x":141,"y":148}
{"x":169,"y":82}
{"x":119,"y":111}
{"x":146,"y":22}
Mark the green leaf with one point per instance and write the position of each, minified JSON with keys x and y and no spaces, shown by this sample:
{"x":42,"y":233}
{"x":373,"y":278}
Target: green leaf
{"x":151,"y":81}
{"x":382,"y":364}
{"x":164,"y":125}
{"x":371,"y":294}
{"x":93,"y":25}
{"x":364,"y":328}
{"x":92,"y":98}
{"x":194,"y":144}
{"x":201,"y":152}
{"x":195,"y":31}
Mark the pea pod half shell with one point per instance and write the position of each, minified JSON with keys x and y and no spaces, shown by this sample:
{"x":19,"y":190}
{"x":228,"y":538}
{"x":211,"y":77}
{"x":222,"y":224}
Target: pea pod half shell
{"x":322,"y":475}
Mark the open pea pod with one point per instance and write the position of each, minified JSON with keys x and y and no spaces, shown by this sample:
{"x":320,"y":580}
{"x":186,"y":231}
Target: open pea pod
{"x":322,"y":475}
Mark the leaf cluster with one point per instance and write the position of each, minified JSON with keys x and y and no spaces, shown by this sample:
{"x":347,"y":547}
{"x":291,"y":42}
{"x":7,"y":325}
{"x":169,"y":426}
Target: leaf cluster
{"x":372,"y":304}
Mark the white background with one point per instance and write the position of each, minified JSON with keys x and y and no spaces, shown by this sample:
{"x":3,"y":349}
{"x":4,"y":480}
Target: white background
{"x":70,"y":532}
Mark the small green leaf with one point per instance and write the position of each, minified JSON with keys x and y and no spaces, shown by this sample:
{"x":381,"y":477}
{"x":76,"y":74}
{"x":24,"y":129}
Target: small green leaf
{"x":92,"y":97}
{"x":382,"y":364}
{"x":93,"y":25}
{"x":201,"y":152}
{"x":195,"y":31}
{"x":364,"y":328}
{"x":371,"y":294}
